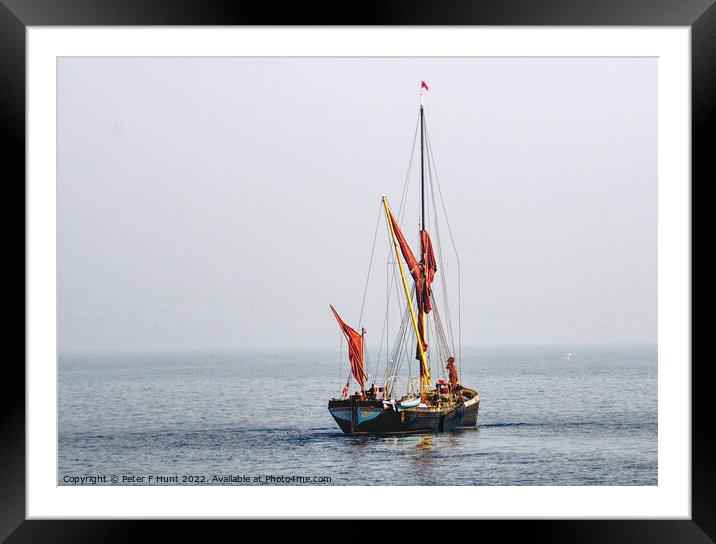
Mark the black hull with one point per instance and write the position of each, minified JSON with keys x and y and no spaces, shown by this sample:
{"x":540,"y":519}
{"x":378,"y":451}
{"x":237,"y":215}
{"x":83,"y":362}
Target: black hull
{"x":356,"y":416}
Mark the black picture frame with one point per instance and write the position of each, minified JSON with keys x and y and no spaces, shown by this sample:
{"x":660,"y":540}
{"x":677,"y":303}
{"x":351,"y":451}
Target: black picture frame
{"x":17,"y":15}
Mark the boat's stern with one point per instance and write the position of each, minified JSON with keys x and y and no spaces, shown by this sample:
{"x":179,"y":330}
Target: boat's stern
{"x":470,"y":408}
{"x":361,"y":416}
{"x":342,"y":412}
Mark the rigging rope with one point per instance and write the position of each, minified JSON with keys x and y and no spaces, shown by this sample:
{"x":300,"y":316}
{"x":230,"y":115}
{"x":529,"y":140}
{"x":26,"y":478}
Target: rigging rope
{"x":401,"y":348}
{"x":370,"y":266}
{"x":389,"y":293}
{"x":389,"y":284}
{"x":442,"y":201}
{"x":396,"y":357}
{"x":406,"y":183}
{"x":454,"y":247}
{"x":443,"y":276}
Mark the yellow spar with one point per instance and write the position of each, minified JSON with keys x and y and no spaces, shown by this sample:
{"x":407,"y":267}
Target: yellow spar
{"x":425,"y":381}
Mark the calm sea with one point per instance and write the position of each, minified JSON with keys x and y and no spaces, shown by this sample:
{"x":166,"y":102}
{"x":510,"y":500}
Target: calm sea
{"x":257,"y":419}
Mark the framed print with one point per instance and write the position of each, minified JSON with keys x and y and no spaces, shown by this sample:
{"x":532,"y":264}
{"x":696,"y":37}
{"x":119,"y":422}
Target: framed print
{"x":434,"y":264}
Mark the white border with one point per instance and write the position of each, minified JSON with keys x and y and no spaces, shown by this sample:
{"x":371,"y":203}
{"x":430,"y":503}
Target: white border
{"x":671,"y":498}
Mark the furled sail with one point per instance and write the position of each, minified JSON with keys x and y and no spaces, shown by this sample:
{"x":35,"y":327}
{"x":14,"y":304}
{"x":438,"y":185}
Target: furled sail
{"x":423,"y":289}
{"x":355,"y":350}
{"x":431,"y":268}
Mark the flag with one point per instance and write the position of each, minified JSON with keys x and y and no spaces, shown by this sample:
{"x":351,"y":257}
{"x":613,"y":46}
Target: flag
{"x":424,"y":85}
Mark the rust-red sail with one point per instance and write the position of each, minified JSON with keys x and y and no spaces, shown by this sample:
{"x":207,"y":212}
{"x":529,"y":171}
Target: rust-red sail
{"x":423,"y":281}
{"x":355,"y":350}
{"x":423,"y":287}
{"x":410,"y":259}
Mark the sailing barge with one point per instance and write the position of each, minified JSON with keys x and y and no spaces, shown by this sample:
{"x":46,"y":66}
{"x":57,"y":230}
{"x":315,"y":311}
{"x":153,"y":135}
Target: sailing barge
{"x":425,"y":407}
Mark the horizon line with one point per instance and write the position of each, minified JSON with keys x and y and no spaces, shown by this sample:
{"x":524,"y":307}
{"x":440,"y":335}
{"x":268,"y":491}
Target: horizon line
{"x":323,"y":349}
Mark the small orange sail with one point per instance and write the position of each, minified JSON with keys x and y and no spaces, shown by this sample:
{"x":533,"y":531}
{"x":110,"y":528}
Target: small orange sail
{"x":355,"y":350}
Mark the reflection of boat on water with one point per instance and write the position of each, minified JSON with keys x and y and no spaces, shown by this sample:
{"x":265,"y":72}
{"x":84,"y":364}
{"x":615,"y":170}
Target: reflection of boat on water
{"x":426,"y":443}
{"x":427,"y":407}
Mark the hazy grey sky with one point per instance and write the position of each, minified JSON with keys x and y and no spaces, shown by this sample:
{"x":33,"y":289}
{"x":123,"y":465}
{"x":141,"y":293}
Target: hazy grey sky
{"x":224,"y":203}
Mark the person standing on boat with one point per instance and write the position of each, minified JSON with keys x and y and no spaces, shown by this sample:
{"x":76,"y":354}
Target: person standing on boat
{"x":452,"y":374}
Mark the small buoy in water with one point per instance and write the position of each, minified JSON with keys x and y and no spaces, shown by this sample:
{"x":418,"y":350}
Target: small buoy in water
{"x":568,"y":356}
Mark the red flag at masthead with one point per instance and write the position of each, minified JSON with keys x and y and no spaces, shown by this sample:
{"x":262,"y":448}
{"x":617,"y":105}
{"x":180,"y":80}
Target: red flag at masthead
{"x":424,"y":85}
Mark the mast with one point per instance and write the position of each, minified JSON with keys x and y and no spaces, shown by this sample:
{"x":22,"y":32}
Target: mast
{"x":422,"y":165}
{"x":423,"y":318}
